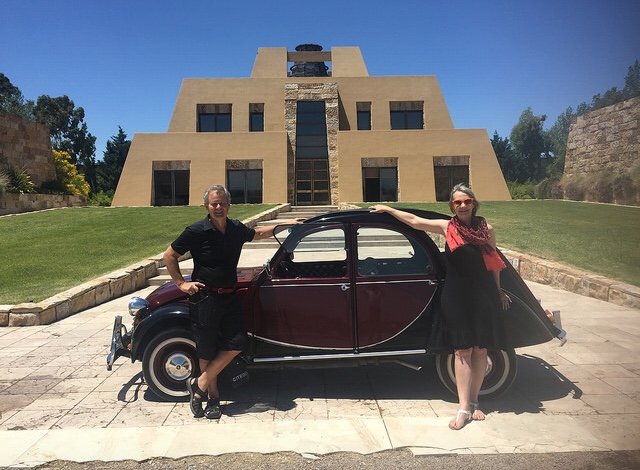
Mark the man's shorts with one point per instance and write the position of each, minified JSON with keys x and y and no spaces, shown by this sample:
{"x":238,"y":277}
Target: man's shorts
{"x":217,"y":323}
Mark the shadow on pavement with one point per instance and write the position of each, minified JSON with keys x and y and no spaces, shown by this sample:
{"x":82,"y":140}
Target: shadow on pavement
{"x":279,"y":388}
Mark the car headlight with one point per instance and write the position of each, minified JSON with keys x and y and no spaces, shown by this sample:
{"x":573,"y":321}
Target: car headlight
{"x":136,"y":304}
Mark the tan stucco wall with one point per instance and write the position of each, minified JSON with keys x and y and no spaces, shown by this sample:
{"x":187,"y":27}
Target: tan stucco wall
{"x":415,"y":151}
{"x":207,"y":153}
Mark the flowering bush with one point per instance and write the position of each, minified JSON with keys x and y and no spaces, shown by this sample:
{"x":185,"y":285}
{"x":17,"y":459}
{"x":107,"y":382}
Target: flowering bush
{"x":68,"y":176}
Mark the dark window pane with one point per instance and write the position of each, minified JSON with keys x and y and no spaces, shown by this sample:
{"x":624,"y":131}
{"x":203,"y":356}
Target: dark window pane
{"x":311,"y":140}
{"x":310,"y":129}
{"x":414,"y":119}
{"x":214,"y":122}
{"x":162,"y":188}
{"x":406,"y":120}
{"x":397,"y":120}
{"x":256,"y":122}
{"x":364,"y":120}
{"x":304,"y":186}
{"x":312,"y":152}
{"x":303,"y":175}
{"x":171,"y":187}
{"x":304,"y":197}
{"x":181,"y":187}
{"x":223,"y":123}
{"x":310,"y":106}
{"x":321,"y":185}
{"x":206,"y":123}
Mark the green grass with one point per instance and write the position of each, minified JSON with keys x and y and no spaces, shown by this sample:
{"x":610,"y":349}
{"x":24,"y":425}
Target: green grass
{"x":47,"y":252}
{"x":44,"y":253}
{"x":600,"y":238}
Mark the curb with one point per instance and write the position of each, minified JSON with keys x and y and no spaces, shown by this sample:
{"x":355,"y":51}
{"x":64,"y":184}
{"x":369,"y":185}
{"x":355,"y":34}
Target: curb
{"x":135,"y":276}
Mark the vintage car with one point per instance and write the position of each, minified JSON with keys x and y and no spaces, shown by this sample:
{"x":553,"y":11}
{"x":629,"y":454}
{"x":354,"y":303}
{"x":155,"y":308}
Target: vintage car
{"x":346,"y":288}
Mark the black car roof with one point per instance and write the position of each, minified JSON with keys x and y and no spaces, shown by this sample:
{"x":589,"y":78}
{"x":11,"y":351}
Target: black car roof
{"x":364,"y":215}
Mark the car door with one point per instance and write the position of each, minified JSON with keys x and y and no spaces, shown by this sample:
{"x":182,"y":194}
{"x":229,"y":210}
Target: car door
{"x":305,"y":307}
{"x":395,"y":282}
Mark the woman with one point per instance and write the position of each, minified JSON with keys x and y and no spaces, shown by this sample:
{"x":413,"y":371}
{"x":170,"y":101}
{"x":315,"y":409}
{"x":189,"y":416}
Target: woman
{"x":472,"y":300}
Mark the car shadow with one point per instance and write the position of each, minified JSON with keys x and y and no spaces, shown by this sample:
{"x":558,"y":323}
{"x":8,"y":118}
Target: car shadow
{"x":278,"y":389}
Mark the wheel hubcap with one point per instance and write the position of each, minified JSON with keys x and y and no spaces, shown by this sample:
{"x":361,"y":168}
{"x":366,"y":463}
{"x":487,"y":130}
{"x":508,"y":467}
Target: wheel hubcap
{"x":178,"y":367}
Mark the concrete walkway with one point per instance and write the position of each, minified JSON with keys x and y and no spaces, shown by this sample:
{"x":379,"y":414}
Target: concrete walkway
{"x":58,"y":401}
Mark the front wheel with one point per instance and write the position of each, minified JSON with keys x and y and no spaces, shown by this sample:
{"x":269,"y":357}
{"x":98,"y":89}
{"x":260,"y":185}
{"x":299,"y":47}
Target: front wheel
{"x":168,"y":361}
{"x":502,"y":367}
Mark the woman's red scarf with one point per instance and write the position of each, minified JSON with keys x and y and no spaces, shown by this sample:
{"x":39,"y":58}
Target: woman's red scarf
{"x":459,"y":234}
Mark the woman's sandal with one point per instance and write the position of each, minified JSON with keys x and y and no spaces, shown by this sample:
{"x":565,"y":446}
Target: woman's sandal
{"x":195,"y":397}
{"x":212,"y":410}
{"x":477,"y":414}
{"x":453,"y":424}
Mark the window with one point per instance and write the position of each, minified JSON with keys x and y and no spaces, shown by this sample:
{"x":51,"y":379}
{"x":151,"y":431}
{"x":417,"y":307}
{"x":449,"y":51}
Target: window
{"x":406,"y":114}
{"x":449,"y":171}
{"x":446,"y":177}
{"x":364,"y":116}
{"x":380,"y":184}
{"x":214,"y":118}
{"x":311,"y":130}
{"x":383,"y":252}
{"x":256,"y":117}
{"x":245,"y":186}
{"x":170,"y":187}
{"x":319,"y":254}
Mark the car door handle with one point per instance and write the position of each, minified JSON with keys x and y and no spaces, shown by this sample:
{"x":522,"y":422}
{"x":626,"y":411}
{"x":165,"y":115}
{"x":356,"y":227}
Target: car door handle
{"x":344,"y":287}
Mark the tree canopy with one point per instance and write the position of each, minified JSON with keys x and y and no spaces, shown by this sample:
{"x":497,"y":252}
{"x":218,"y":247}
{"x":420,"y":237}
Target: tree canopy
{"x":110,"y":168}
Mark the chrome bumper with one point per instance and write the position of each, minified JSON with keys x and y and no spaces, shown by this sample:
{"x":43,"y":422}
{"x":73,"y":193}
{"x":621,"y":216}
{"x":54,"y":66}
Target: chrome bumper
{"x":117,"y":346}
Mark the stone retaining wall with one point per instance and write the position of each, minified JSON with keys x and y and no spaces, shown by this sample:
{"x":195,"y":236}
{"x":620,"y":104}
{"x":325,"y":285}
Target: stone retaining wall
{"x":607,"y":139}
{"x":99,"y":290}
{"x":15,"y":203}
{"x":25,"y":144}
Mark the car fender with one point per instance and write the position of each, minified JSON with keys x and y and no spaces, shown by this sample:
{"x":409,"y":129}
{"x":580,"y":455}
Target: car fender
{"x":174,"y":314}
{"x":526,"y":322}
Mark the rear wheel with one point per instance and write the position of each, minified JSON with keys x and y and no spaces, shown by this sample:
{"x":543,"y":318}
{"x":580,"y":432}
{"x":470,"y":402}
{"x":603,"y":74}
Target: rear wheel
{"x":168,"y":361}
{"x":501,"y":371}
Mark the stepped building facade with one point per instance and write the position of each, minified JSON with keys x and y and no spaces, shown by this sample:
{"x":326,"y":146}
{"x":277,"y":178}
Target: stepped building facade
{"x":300,"y":131}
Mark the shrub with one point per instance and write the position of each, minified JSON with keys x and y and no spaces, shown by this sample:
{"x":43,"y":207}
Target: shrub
{"x":68,"y":176}
{"x":522,"y":190}
{"x":4,"y":182}
{"x":549,"y":188}
{"x":101,"y":198}
{"x":599,"y":187}
{"x":573,"y":188}
{"x":19,"y":180}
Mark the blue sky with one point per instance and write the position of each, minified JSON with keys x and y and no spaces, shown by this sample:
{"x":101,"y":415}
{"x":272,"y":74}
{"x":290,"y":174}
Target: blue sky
{"x":123,"y":61}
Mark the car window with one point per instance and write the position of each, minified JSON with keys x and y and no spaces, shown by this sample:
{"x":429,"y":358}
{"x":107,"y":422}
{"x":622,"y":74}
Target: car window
{"x":383,"y":251}
{"x":321,"y":253}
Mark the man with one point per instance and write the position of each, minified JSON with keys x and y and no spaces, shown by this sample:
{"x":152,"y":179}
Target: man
{"x":215,"y":244}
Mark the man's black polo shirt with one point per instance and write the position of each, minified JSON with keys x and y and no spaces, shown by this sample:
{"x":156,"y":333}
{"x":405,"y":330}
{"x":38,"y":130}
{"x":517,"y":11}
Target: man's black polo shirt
{"x":215,"y":255}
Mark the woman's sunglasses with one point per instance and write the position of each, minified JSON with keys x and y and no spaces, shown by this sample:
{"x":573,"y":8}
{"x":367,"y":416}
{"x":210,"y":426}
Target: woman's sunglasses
{"x":459,"y":202}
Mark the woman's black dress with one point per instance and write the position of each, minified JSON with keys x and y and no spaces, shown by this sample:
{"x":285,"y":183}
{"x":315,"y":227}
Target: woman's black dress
{"x":471,"y":307}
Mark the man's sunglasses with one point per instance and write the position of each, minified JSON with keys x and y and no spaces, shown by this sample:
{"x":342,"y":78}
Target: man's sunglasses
{"x":459,"y":202}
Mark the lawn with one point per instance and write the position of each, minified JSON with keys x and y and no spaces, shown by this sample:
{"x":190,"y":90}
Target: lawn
{"x":600,"y":238}
{"x":44,"y":253}
{"x":47,"y":252}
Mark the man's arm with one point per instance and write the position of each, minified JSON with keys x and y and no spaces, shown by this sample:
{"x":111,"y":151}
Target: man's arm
{"x":266,"y":231}
{"x":170,"y":258}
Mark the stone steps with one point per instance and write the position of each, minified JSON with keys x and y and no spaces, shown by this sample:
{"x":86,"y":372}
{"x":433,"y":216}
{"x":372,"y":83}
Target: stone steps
{"x":254,"y":254}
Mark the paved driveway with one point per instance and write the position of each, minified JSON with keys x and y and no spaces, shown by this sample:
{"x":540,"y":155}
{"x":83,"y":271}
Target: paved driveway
{"x":58,"y":401}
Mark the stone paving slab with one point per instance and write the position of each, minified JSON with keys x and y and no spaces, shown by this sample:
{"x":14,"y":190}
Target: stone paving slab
{"x":58,"y":401}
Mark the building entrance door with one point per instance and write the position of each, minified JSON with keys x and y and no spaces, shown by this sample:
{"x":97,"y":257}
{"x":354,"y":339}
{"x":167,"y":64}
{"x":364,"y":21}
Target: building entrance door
{"x":312,"y":182}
